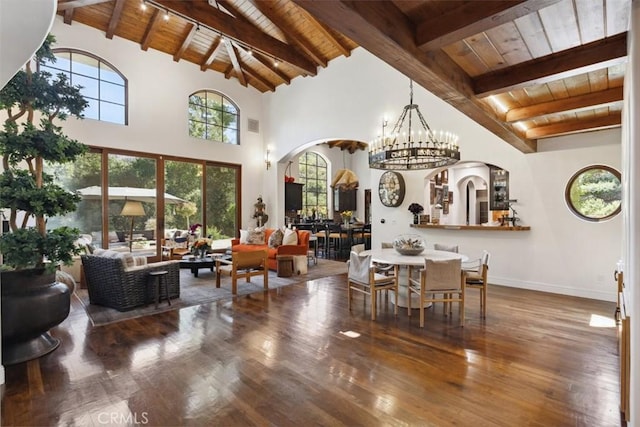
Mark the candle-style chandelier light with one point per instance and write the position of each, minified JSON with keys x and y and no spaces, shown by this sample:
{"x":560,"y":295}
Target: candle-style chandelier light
{"x":404,"y":149}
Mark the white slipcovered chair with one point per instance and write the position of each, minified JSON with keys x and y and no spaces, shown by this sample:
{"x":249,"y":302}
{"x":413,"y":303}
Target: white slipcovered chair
{"x":363,"y":278}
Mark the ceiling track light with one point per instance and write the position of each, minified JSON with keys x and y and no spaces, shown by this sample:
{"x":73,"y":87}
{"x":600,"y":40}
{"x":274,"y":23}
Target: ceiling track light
{"x":223,"y":37}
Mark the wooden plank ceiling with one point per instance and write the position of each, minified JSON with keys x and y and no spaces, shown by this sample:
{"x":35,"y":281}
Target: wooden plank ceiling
{"x":524,"y":69}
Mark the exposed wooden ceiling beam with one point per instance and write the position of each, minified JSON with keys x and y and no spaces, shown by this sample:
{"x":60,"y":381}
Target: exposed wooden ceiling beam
{"x":115,"y":18}
{"x":469,"y":19}
{"x":382,"y":29}
{"x":231,"y":50}
{"x":186,"y":41}
{"x":239,"y":30}
{"x":579,"y":60}
{"x":261,"y":80}
{"x":565,"y":128}
{"x":575,"y":103}
{"x":265,"y":61}
{"x":152,"y":27}
{"x":211,"y":55}
{"x":269,"y":10}
{"x":72,"y":4}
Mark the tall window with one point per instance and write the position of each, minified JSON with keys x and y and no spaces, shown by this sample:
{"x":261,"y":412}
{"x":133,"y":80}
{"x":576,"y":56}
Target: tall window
{"x":214,"y":117}
{"x":313,"y":174}
{"x":104,"y":87}
{"x":195,"y":191}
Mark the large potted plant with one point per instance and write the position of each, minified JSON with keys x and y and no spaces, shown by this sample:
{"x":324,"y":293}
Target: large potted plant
{"x":32,"y":302}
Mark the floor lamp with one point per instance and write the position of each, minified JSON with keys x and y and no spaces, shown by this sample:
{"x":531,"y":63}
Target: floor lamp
{"x":132,"y":208}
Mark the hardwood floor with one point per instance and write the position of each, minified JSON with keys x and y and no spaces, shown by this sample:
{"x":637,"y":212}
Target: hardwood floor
{"x":281,"y":358}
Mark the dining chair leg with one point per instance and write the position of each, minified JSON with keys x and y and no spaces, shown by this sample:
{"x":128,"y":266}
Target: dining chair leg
{"x":395,"y":293}
{"x":421,"y":312}
{"x":349,"y":296}
{"x":373,"y":303}
{"x":409,"y":300}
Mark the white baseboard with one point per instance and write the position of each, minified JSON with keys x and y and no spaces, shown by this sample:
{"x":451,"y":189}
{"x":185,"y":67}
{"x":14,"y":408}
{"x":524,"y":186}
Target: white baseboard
{"x":556,"y":289}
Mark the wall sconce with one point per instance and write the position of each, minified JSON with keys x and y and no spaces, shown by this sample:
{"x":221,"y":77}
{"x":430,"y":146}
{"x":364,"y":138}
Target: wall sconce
{"x":267,"y":160}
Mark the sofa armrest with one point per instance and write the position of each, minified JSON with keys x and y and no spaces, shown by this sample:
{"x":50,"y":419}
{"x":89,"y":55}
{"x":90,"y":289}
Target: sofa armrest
{"x":292,"y":250}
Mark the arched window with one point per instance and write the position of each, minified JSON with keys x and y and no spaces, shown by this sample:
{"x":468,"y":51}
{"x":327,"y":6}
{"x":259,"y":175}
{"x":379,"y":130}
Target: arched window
{"x":103,"y":86}
{"x":312,"y":169}
{"x":214,"y":117}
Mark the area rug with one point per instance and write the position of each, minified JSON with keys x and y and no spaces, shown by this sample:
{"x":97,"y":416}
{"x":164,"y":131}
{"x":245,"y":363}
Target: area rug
{"x":202,"y":290}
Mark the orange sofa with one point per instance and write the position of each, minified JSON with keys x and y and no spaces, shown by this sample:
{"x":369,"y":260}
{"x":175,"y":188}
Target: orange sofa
{"x":300,"y":249}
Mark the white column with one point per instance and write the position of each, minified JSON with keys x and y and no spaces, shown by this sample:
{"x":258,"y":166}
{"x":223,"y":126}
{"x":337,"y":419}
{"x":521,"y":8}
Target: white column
{"x":631,"y":202}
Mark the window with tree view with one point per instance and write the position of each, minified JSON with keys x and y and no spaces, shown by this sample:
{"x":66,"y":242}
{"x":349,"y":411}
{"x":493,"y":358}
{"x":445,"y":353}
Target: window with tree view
{"x":195,"y":192}
{"x":103,"y":86}
{"x":214,"y":117}
{"x":312,"y":169}
{"x":594,"y":193}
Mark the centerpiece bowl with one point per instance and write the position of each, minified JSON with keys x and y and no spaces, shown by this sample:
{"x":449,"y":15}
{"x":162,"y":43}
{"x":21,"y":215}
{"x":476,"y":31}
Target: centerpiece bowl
{"x":409,"y":244}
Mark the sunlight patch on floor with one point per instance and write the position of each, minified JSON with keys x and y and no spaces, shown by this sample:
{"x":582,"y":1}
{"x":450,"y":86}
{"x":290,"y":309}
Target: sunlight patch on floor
{"x":598,"y":321}
{"x":350,"y":334}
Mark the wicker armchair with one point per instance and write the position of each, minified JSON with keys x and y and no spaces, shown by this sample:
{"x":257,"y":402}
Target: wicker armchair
{"x":112,"y":285}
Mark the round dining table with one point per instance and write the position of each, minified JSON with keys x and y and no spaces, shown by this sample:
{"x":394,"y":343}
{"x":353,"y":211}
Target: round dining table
{"x":393,"y":257}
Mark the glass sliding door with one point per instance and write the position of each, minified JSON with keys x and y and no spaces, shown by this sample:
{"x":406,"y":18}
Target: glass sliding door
{"x":222,"y":195}
{"x":132,"y":203}
{"x":195,"y":192}
{"x":183,"y":202}
{"x":83,"y":175}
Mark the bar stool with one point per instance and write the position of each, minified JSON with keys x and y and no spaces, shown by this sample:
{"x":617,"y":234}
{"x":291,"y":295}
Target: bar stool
{"x":156,"y":279}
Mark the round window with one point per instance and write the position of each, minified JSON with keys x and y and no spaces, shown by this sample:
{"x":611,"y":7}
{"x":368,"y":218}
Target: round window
{"x":594,"y":193}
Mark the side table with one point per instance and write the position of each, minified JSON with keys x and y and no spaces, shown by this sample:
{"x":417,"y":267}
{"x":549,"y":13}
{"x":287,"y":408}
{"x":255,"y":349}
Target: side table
{"x":156,"y":279}
{"x":285,"y":265}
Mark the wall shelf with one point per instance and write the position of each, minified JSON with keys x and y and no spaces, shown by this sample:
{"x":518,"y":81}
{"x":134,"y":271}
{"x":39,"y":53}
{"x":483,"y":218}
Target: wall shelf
{"x":473,"y":227}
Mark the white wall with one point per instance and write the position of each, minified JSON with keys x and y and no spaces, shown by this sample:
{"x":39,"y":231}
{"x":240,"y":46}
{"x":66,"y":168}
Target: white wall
{"x":158,"y":99}
{"x":561,"y":253}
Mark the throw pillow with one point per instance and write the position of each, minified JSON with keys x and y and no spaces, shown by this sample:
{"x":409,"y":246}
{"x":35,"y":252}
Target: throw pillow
{"x":275,"y":239}
{"x":290,"y":237}
{"x":256,"y":237}
{"x":244,"y":235}
{"x":127,"y":260}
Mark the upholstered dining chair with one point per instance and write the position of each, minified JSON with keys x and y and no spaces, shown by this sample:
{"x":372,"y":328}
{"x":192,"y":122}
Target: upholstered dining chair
{"x":476,"y":277}
{"x":440,"y":281}
{"x":243,"y":265}
{"x":362,"y":277}
{"x":358,"y":248}
{"x":447,"y":248}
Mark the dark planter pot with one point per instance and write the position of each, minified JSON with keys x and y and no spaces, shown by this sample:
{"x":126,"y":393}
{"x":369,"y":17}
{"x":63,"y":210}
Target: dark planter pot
{"x":32,"y":303}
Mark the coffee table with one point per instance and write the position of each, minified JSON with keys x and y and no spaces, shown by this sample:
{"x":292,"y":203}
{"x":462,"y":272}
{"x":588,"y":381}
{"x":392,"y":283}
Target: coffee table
{"x":194,"y":264}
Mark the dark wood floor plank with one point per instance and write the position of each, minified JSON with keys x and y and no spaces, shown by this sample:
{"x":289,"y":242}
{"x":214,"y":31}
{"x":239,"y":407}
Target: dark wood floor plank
{"x":281,"y":358}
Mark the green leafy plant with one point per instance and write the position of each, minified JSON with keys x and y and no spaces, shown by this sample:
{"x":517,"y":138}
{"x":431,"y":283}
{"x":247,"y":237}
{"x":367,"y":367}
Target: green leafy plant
{"x":33,"y":100}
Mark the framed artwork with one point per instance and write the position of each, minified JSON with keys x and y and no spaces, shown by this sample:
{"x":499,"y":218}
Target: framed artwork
{"x":432,"y":192}
{"x":445,"y":192}
{"x":445,"y":207}
{"x":450,"y":197}
{"x":438,"y":196}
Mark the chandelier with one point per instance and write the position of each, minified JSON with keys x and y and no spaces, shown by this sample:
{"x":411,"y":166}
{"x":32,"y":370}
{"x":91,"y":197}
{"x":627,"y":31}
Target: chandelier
{"x":405,"y":149}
